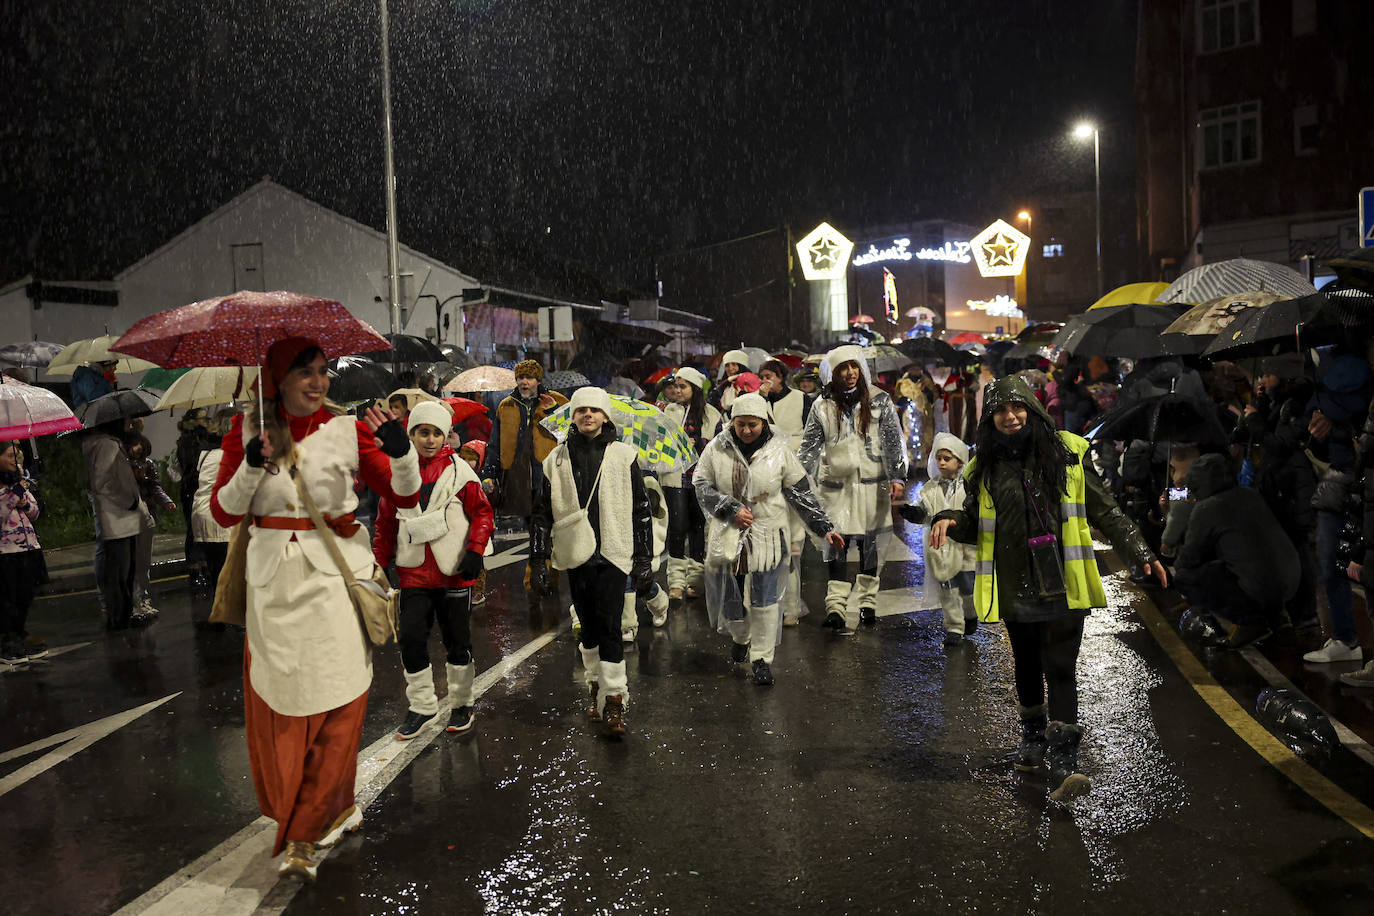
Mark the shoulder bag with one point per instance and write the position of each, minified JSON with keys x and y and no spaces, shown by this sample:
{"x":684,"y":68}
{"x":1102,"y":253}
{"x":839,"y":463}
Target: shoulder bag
{"x":231,"y":589}
{"x":574,"y":541}
{"x":373,"y":598}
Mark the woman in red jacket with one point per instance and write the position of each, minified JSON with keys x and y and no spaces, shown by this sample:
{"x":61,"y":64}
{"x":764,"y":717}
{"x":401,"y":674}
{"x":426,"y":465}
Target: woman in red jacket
{"x":437,"y":547}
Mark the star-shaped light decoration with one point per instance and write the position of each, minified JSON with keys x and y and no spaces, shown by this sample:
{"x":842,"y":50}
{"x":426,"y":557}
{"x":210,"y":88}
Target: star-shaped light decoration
{"x":1000,"y":250}
{"x":824,"y":253}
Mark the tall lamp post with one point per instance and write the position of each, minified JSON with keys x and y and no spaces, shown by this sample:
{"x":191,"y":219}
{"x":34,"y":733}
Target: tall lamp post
{"x":392,"y":246}
{"x":1083,"y":132}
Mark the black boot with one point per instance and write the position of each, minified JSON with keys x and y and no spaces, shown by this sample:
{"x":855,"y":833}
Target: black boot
{"x":1030,"y":753}
{"x":1061,"y":758}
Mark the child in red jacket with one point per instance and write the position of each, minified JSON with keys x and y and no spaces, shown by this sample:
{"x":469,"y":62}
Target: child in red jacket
{"x":437,"y":547}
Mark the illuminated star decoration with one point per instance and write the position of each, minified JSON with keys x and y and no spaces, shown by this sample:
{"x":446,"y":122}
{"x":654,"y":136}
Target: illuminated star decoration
{"x":1000,"y":250}
{"x":824,"y":253}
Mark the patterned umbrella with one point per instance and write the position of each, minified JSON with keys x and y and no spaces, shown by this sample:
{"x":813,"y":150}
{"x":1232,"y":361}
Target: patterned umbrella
{"x":563,"y":379}
{"x":663,"y":445}
{"x":95,"y":350}
{"x":206,"y":386}
{"x":27,"y":411}
{"x":1214,"y":315}
{"x":31,"y":354}
{"x":1238,"y":275}
{"x":123,"y":402}
{"x":483,"y":378}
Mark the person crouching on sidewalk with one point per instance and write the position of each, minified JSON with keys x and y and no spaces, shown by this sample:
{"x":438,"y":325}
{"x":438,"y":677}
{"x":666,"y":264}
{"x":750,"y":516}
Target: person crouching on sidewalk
{"x":747,"y":480}
{"x":952,"y":566}
{"x":437,"y":546}
{"x":592,"y":517}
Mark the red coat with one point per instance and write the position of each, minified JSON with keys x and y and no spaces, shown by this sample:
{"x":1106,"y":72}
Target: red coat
{"x":475,"y":507}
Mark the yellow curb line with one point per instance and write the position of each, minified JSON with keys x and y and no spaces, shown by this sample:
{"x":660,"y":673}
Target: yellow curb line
{"x":1299,"y":771}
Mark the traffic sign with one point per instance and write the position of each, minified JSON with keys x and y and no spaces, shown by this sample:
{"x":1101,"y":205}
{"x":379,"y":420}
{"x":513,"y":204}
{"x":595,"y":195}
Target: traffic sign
{"x":1367,"y":217}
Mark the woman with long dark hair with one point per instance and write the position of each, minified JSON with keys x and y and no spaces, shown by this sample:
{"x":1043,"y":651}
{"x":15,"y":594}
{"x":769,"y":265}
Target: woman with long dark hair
{"x":307,"y":665}
{"x":686,"y":404}
{"x":1031,"y":499}
{"x":852,"y":447}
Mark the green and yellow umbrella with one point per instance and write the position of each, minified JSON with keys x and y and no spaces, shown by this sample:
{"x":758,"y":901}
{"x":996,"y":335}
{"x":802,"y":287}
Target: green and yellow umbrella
{"x":662,"y":443}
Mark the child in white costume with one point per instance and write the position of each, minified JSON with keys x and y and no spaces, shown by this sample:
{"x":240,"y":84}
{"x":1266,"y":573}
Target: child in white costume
{"x":686,"y":404}
{"x":852,"y":447}
{"x":950,"y":566}
{"x":749,"y":484}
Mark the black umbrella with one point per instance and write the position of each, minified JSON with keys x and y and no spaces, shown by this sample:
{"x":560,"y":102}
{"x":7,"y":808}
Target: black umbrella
{"x":406,"y":348}
{"x":1160,"y":418}
{"x":925,"y":350}
{"x":1340,"y":315}
{"x":1262,"y":331}
{"x":1355,"y":268}
{"x":1131,"y":331}
{"x":122,"y":402}
{"x":355,"y":378}
{"x":458,"y":356}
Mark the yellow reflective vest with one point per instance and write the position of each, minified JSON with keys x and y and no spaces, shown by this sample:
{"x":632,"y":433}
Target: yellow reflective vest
{"x":1081,"y":580}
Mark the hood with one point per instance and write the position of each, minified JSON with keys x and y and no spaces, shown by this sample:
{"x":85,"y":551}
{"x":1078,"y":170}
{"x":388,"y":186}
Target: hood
{"x":1209,"y":475}
{"x":948,"y":441}
{"x":1347,"y":373}
{"x":1012,"y":389}
{"x":478,"y":447}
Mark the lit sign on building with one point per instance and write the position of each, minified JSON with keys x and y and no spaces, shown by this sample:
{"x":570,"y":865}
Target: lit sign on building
{"x":1000,"y":306}
{"x":900,"y":250}
{"x":824,"y":253}
{"x":1000,"y":250}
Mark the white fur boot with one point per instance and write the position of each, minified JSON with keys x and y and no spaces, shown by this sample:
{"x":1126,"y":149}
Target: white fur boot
{"x":867,"y":590}
{"x":591,"y":665}
{"x":791,"y":599}
{"x":629,"y":619}
{"x":460,"y":678}
{"x":658,"y":606}
{"x":696,"y":579}
{"x":837,"y":606}
{"x":677,"y":579}
{"x":420,"y":691}
{"x":763,"y":632}
{"x":614,"y":682}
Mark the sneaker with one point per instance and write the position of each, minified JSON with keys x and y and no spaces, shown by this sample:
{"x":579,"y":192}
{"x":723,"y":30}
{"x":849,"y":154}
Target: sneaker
{"x":763,"y":673}
{"x":479,"y":598}
{"x":461,"y":719}
{"x":1362,"y":678}
{"x":1333,"y":650}
{"x":868,"y":616}
{"x":628,"y":634}
{"x":593,"y":714}
{"x":614,"y":715}
{"x":692,"y":592}
{"x":675,"y":598}
{"x":12,"y":653}
{"x":299,"y":861}
{"x":739,"y":653}
{"x":350,"y":821}
{"x":413,"y":723}
{"x":35,"y":647}
{"x":145,"y":607}
{"x":952,"y":638}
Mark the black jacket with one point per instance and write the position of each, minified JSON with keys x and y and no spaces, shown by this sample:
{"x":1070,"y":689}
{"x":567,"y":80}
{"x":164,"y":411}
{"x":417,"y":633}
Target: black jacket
{"x":1278,"y":427}
{"x":1233,"y":525}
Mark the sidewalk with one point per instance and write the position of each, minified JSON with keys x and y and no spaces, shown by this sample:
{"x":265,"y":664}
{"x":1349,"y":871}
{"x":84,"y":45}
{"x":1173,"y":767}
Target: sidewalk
{"x":72,"y":569}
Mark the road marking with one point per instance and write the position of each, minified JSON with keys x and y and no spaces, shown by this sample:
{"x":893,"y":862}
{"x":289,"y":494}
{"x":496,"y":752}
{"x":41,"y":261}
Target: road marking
{"x":516,"y":554}
{"x":52,"y":653}
{"x":1299,"y":771}
{"x":237,"y":876}
{"x":73,"y":741}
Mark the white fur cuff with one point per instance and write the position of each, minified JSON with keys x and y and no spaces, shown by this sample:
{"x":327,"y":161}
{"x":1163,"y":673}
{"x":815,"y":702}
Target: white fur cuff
{"x":405,"y":474}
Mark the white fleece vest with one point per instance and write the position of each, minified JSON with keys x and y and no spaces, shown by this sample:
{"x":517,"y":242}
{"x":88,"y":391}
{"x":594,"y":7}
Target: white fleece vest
{"x":787,"y":417}
{"x":448,"y":548}
{"x":614,"y":498}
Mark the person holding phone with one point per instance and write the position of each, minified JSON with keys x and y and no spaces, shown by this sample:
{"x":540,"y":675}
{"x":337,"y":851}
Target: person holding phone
{"x":1174,"y":503}
{"x":1031,"y":499}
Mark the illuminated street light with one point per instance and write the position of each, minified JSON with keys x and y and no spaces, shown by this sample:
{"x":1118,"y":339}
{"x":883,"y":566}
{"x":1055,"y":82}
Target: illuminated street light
{"x":1082,"y":132}
{"x":1025,"y":215}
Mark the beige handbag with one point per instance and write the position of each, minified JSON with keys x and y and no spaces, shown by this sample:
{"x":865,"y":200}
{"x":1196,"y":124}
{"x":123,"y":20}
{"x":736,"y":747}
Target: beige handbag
{"x":376,"y":602}
{"x":231,"y":589}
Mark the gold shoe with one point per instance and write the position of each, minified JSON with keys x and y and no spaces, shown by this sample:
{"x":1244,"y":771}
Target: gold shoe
{"x":299,"y":860}
{"x":350,"y":821}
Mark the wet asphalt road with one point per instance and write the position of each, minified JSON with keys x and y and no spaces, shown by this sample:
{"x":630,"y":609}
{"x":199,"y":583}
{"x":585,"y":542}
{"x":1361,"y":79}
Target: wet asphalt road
{"x":872,"y":778}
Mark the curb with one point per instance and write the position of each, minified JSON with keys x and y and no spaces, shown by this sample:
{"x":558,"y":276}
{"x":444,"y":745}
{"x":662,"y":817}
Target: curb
{"x":68,"y":581}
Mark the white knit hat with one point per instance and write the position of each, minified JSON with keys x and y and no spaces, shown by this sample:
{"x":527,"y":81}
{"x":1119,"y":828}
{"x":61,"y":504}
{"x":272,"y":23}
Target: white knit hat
{"x":691,"y":377}
{"x":752,"y":405}
{"x":433,"y":413}
{"x":841,"y":355}
{"x":590,"y":396}
{"x":738,"y":357}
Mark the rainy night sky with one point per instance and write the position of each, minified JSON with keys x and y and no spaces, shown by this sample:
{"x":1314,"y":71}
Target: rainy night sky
{"x":596,"y":130}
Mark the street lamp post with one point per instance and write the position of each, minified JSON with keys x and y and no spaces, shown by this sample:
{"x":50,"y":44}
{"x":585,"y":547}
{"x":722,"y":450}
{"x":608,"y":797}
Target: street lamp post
{"x":392,"y":246}
{"x":1083,"y":132}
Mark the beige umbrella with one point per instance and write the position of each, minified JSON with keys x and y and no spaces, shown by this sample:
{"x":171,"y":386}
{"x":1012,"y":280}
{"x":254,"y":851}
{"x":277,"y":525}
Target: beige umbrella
{"x":206,"y":386}
{"x":95,"y":350}
{"x":483,"y":378}
{"x":1212,"y":316}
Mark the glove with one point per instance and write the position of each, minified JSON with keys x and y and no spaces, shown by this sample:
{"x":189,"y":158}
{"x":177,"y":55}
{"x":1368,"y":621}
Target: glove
{"x":392,"y":439}
{"x":253,"y":454}
{"x":642,"y":572}
{"x":539,"y":575}
{"x":470,"y":567}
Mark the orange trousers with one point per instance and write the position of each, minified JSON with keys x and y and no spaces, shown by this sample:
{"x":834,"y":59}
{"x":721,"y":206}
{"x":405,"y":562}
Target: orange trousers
{"x":304,"y":767}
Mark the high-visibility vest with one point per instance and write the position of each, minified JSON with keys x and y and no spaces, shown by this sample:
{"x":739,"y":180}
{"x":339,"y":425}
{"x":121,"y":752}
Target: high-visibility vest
{"x":1082,"y":582}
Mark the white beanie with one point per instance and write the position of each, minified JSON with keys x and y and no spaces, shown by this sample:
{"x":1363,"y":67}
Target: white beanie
{"x":736,"y":356}
{"x":841,"y":355}
{"x":691,"y":377}
{"x":433,"y":413}
{"x":590,"y":396}
{"x":752,"y":405}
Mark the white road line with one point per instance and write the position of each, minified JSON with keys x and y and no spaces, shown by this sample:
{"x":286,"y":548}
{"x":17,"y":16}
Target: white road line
{"x":52,"y":653}
{"x":516,"y":554}
{"x":239,"y":877}
{"x":73,"y":741}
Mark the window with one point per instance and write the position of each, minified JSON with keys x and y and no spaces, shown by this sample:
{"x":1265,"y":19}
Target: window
{"x":1306,"y":129}
{"x":1224,"y":24}
{"x":1230,"y":135}
{"x":1053,"y":250}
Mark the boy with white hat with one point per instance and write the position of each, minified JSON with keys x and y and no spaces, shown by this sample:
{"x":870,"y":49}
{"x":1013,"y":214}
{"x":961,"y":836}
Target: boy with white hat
{"x":437,"y":546}
{"x":592,"y":517}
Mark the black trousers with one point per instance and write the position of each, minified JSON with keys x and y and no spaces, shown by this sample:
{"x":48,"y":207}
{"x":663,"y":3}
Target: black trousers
{"x":1046,"y":653}
{"x":598,"y":594}
{"x":1214,"y":588}
{"x":214,"y":553}
{"x":117,"y":580}
{"x":686,"y":524}
{"x":420,"y":607}
{"x":18,"y":576}
{"x":839,"y":565}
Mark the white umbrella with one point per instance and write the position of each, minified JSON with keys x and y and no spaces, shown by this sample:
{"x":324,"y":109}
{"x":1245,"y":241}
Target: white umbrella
{"x":206,"y":386}
{"x":95,"y":350}
{"x":1237,"y":275}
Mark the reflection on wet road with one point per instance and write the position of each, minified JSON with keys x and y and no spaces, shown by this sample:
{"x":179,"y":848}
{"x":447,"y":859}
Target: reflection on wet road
{"x":873,"y":777}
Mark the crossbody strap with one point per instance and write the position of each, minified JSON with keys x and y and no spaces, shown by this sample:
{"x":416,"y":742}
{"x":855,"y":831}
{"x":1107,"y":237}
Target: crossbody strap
{"x":1040,"y":518}
{"x":326,"y":533}
{"x":595,"y":483}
